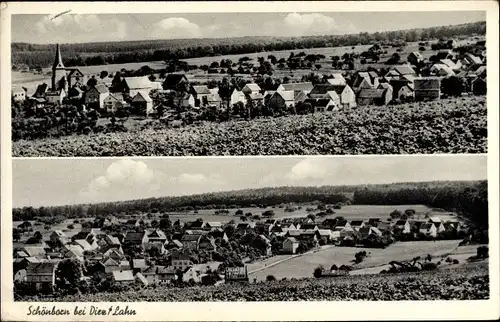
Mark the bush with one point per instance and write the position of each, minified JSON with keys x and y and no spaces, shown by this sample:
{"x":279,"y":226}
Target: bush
{"x":449,"y":260}
{"x":482,"y":252}
{"x":359,"y":256}
{"x":270,"y":278}
{"x":429,"y":267}
{"x":318,"y":271}
{"x":455,"y":261}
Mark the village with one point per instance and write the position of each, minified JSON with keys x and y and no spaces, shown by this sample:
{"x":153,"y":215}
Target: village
{"x":114,"y":254}
{"x":251,"y":89}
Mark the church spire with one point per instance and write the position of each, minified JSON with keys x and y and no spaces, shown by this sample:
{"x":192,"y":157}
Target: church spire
{"x":58,"y":64}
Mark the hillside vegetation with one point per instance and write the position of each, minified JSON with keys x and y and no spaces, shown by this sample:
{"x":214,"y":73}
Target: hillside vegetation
{"x":89,"y":54}
{"x":456,"y":284}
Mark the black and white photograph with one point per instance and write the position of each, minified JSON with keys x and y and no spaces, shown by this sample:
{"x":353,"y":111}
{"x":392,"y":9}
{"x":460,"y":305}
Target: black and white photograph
{"x":249,"y":161}
{"x":280,"y":83}
{"x":280,"y":229}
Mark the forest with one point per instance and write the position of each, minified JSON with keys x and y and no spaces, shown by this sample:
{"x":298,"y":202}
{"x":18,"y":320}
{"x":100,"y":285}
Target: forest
{"x":37,"y":56}
{"x":467,"y":198}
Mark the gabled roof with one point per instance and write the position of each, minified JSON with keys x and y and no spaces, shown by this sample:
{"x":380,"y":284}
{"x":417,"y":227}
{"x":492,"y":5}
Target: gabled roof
{"x":157,"y":234}
{"x":201,"y":89}
{"x":255,"y":96}
{"x":305,"y":86}
{"x":403,"y":69}
{"x":400,"y":222}
{"x":321,"y":89}
{"x":110,"y":262}
{"x":34,"y":250}
{"x":123,"y":275}
{"x":134,"y":237}
{"x":59,"y":233}
{"x":101,"y":88}
{"x":142,"y":97}
{"x":115,"y":96}
{"x":139,"y":277}
{"x":141,"y":82}
{"x":139,"y":263}
{"x":188,"y":238}
{"x":357,"y":222}
{"x":292,"y":239}
{"x":84,"y":244}
{"x":43,"y":268}
{"x":175,"y":242}
{"x":286,"y":95}
{"x":473,"y":59}
{"x":17,"y":89}
{"x":427,"y":83}
{"x":253,"y":87}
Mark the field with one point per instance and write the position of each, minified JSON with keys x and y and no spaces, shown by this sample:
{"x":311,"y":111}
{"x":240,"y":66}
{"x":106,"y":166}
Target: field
{"x":303,"y":266}
{"x":471,"y":283}
{"x":455,"y":125}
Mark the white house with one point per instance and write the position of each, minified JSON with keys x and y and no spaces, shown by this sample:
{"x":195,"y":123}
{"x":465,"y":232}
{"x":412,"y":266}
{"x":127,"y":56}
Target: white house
{"x":133,"y":85}
{"x":428,"y":230}
{"x":251,"y":88}
{"x":337,"y":79}
{"x":113,"y":102}
{"x":238,"y":96}
{"x":346,"y":94}
{"x":290,"y":245}
{"x":18,"y":94}
{"x":142,"y":103}
{"x":55,"y":97}
{"x":281,"y":100}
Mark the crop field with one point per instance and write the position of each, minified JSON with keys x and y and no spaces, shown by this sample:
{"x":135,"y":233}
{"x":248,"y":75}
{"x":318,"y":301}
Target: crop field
{"x":455,"y":125}
{"x":459,"y":284}
{"x":303,"y":266}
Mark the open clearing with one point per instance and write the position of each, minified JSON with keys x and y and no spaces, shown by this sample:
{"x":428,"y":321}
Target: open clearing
{"x":303,"y":266}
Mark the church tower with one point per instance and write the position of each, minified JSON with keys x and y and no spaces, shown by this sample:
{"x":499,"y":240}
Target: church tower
{"x":59,"y":79}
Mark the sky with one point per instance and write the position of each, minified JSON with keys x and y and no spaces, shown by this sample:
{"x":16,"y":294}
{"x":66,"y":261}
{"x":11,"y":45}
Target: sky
{"x":72,"y":28}
{"x":46,"y":182}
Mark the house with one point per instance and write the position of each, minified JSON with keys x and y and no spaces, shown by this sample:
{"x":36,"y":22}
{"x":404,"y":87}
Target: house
{"x":237,"y":97}
{"x":140,"y":279}
{"x":75,"y":77}
{"x":451,"y":64}
{"x":181,"y":261}
{"x":207,"y":243}
{"x":357,"y":224}
{"x":251,"y":88}
{"x":57,"y":236}
{"x":402,"y":89}
{"x":138,"y":265}
{"x":165,"y":275}
{"x":471,"y":60}
{"x":85,"y":245}
{"x":114,"y":102}
{"x":428,"y":229}
{"x":402,"y":226}
{"x":441,"y":70}
{"x":95,"y":96}
{"x":20,"y":275}
{"x":344,"y":231}
{"x":342,"y":224}
{"x":324,"y":233}
{"x":214,"y":98}
{"x":346,"y":94}
{"x":365,"y":232}
{"x":142,"y":104}
{"x":309,"y":226}
{"x":415,"y":58}
{"x":175,"y":81}
{"x":55,"y":97}
{"x":365,"y":80}
{"x":73,"y":251}
{"x":374,"y":96}
{"x":427,"y":88}
{"x":212,"y":225}
{"x":436,"y":221}
{"x":478,"y":86}
{"x":323,"y":105}
{"x":200,"y":94}
{"x":174,"y":244}
{"x":135,"y":238}
{"x":399,"y":71}
{"x":134,"y":85}
{"x":337,"y":79}
{"x":18,"y":94}
{"x":114,"y":254}
{"x":188,"y":101}
{"x":290,"y":245}
{"x":445,"y":54}
{"x":157,"y":236}
{"x":150,"y":273}
{"x":122,"y":276}
{"x":236,"y":275}
{"x":305,"y":87}
{"x":42,"y":275}
{"x":255,"y":97}
{"x":282,"y":100}
{"x":191,"y":241}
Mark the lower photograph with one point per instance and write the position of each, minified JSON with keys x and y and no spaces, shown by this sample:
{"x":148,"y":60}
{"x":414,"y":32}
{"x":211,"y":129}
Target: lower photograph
{"x":362,"y":228}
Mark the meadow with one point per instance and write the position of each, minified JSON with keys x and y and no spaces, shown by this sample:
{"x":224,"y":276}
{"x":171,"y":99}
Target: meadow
{"x":303,"y":266}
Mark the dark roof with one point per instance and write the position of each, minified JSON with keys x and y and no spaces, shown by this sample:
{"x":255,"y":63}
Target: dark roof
{"x":427,"y":83}
{"x":322,"y":102}
{"x":357,"y":222}
{"x":371,"y":93}
{"x":308,"y":226}
{"x":404,"y":69}
{"x":101,"y":88}
{"x":305,"y":86}
{"x":133,"y":237}
{"x":41,"y":268}
{"x":400,"y":223}
{"x":200,"y":89}
{"x":187,"y":237}
{"x":321,"y":89}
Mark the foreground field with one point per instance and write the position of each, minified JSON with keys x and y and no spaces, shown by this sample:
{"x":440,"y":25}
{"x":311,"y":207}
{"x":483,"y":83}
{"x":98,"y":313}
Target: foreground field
{"x":446,"y":126}
{"x":303,"y":266}
{"x":460,"y":284}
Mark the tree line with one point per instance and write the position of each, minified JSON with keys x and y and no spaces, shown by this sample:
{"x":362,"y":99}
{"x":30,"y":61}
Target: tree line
{"x":39,"y":56}
{"x":469,"y":198}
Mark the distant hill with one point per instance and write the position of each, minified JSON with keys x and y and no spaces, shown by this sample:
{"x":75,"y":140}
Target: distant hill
{"x":99,"y":53}
{"x":469,"y":198}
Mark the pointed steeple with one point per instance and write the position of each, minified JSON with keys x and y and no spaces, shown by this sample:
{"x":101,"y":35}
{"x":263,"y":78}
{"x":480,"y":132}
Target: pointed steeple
{"x":58,"y":64}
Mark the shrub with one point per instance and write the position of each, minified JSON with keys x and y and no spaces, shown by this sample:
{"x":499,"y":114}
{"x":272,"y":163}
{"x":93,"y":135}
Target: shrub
{"x":449,"y":260}
{"x":455,"y":261}
{"x":318,"y":271}
{"x":483,"y":252}
{"x":359,"y":256}
{"x":429,"y":267}
{"x":270,"y":278}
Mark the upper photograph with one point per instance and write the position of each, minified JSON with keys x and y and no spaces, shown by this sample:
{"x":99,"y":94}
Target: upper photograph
{"x":217,"y":84}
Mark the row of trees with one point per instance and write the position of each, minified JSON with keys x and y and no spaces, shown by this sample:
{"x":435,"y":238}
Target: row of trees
{"x":36,"y":56}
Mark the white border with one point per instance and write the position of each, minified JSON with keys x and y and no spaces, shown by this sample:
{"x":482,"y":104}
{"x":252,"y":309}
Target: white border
{"x":431,"y":310}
